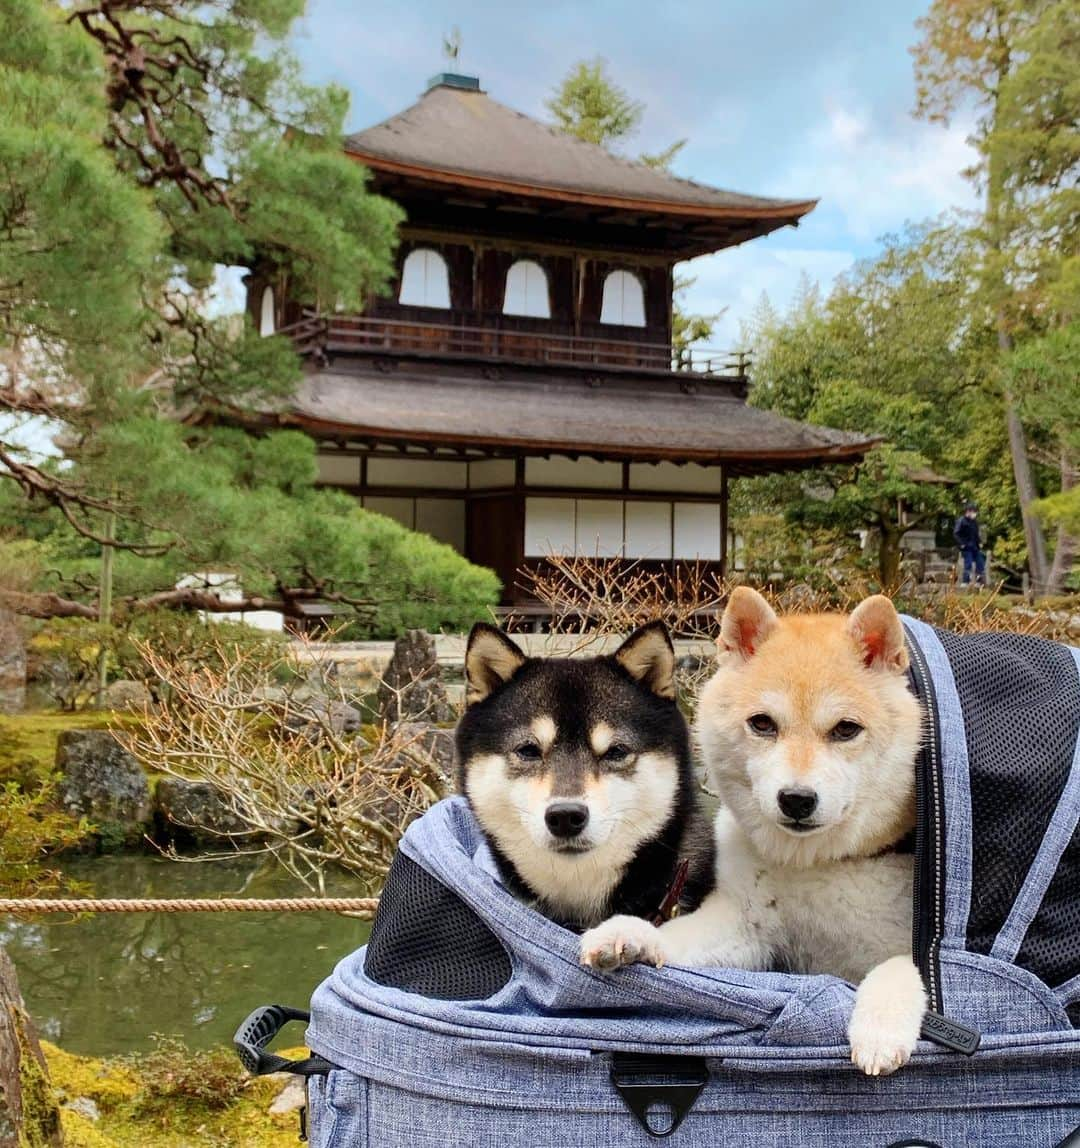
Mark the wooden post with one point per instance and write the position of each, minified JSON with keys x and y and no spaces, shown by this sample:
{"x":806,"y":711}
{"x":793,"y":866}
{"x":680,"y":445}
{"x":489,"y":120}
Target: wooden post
{"x":723,"y":522}
{"x":28,"y":1110}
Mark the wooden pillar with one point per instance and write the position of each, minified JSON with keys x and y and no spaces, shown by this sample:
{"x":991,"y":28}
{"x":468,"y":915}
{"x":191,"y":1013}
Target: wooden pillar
{"x":723,"y":522}
{"x":477,"y":255}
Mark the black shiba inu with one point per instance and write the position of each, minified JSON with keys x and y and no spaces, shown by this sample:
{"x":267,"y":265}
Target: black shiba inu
{"x":579,"y":772}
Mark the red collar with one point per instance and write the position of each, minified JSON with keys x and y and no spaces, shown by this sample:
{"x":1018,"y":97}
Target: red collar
{"x":669,"y":906}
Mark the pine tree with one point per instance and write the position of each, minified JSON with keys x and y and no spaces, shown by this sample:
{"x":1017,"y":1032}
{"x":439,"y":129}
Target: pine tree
{"x":143,"y":142}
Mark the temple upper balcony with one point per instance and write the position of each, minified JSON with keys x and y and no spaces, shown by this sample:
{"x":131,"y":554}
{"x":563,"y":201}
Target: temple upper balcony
{"x":494,"y":339}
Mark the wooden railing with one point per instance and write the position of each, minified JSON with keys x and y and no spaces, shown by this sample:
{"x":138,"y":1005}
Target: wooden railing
{"x":316,"y":333}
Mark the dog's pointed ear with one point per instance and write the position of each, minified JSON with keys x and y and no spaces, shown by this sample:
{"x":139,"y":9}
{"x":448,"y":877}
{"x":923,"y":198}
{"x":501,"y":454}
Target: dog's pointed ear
{"x":649,"y":658}
{"x":491,"y":659}
{"x":748,"y":620}
{"x":875,"y":625}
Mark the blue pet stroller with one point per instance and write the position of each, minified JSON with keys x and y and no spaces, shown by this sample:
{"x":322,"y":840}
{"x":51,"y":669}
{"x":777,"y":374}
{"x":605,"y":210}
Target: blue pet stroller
{"x":467,"y":1019}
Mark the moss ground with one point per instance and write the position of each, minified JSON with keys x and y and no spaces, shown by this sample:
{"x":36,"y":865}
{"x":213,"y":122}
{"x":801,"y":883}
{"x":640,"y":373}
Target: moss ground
{"x":28,"y":740}
{"x":140,"y":1103}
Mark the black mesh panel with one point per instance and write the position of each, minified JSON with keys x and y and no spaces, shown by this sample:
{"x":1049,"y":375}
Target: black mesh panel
{"x":426,"y":940}
{"x":1051,"y":948}
{"x":1021,"y":706}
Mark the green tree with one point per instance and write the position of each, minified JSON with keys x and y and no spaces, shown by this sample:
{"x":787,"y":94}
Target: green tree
{"x":143,"y":142}
{"x":688,"y":327}
{"x":590,"y":105}
{"x":852,"y":362}
{"x":246,"y":505}
{"x":1046,"y":372}
{"x":1017,"y":63}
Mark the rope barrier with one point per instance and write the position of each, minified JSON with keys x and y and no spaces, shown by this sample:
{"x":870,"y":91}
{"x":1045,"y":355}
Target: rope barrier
{"x":366,"y":905}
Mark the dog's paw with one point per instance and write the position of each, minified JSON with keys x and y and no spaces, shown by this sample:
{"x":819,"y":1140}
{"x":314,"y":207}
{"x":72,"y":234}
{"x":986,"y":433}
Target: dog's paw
{"x":876,"y":1050}
{"x":621,"y":941}
{"x":885,"y":1022}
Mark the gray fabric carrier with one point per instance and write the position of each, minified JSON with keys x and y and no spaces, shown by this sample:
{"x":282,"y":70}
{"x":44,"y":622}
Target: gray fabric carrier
{"x":467,"y":1020}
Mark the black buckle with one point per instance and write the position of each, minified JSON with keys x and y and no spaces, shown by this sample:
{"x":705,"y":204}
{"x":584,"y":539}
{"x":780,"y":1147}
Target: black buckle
{"x":666,"y":1085}
{"x":259,"y":1029}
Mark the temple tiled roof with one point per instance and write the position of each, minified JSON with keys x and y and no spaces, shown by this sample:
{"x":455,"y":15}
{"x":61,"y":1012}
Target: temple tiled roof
{"x":464,"y":136}
{"x":628,"y":419}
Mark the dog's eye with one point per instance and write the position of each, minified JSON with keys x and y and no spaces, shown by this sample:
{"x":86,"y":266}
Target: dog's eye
{"x":763,"y":725}
{"x":529,"y":751}
{"x":845,"y":730}
{"x":615,"y":754}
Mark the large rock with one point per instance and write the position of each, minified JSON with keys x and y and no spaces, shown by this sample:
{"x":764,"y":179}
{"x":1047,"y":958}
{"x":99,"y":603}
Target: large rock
{"x":314,"y":716}
{"x":28,"y":1111}
{"x":195,"y":813}
{"x":419,"y":736}
{"x":129,"y":695}
{"x":412,"y":741}
{"x":101,"y":781}
{"x":411,"y":686}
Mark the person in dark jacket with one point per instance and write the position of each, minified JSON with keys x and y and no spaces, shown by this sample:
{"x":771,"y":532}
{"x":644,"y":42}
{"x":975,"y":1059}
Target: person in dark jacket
{"x":966,"y":533}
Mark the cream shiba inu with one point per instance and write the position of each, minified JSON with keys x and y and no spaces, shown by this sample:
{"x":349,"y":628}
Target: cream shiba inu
{"x":810,"y":734}
{"x":579,"y":772}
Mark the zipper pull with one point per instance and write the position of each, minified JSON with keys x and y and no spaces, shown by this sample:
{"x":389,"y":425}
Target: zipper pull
{"x":949,"y":1033}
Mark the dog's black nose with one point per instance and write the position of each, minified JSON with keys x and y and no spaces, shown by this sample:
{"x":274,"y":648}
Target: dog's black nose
{"x":797,"y":803}
{"x":566,"y":818}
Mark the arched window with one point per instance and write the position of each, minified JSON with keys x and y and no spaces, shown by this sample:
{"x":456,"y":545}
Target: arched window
{"x":624,"y":300}
{"x":266,"y":312}
{"x":527,"y":291}
{"x":425,"y":281}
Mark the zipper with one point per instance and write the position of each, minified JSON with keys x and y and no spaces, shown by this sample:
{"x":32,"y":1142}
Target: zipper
{"x":927,"y":920}
{"x":927,"y":917}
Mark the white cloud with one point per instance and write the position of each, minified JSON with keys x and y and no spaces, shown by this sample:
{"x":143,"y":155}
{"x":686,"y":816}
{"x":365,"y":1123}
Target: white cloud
{"x":871,"y":173}
{"x":846,"y":128}
{"x":737,"y":278}
{"x":876,"y":176}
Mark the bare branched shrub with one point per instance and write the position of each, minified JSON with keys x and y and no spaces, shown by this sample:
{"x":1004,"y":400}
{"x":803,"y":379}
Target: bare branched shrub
{"x":611,"y":596}
{"x":277,"y":738}
{"x":595,"y":598}
{"x":969,"y":613}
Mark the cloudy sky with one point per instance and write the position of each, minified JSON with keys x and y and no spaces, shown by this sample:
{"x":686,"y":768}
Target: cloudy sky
{"x":789,"y":98}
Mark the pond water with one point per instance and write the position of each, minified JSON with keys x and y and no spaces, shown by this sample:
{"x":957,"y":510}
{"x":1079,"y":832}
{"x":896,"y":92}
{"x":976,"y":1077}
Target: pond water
{"x":104,"y":984}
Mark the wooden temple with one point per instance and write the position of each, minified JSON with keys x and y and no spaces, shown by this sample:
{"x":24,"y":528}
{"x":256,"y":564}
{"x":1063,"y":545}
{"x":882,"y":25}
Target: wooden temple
{"x":517,"y":394}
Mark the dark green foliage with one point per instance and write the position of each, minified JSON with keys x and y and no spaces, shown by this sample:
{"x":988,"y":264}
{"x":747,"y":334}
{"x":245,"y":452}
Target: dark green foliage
{"x":1046,"y":375}
{"x":1015,"y":64}
{"x":898,"y":350}
{"x":221,"y":499}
